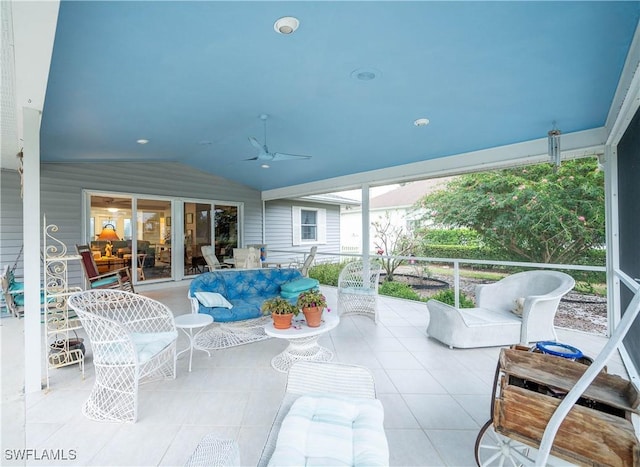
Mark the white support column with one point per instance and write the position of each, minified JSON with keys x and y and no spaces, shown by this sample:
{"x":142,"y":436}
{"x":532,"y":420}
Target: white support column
{"x":32,"y":243}
{"x":612,"y":230}
{"x":366,"y":228}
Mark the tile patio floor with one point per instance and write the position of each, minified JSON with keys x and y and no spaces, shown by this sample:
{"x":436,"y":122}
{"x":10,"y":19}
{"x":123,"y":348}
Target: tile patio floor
{"x":435,"y":399}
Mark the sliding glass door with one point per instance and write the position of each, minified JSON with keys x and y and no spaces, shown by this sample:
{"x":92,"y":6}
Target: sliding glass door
{"x":142,"y":232}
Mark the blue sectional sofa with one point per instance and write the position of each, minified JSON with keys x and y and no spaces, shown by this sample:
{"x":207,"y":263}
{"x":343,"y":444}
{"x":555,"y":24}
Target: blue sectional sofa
{"x":244,"y":290}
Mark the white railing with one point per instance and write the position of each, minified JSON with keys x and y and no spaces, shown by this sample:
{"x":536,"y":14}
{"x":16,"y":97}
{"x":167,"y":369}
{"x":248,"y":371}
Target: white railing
{"x":456,"y":262}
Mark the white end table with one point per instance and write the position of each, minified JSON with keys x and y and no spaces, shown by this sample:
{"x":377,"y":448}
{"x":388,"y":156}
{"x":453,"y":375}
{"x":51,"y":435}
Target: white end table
{"x":303,"y":341}
{"x":189,"y":322}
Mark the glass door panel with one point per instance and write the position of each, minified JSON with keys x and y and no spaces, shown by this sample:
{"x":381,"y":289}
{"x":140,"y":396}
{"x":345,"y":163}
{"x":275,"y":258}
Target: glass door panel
{"x":153,"y":227}
{"x":197,"y":233}
{"x":109,"y":231}
{"x":226,"y":230}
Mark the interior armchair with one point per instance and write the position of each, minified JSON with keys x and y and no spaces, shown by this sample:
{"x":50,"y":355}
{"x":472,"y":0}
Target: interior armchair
{"x":116,"y":279}
{"x":208,"y":252}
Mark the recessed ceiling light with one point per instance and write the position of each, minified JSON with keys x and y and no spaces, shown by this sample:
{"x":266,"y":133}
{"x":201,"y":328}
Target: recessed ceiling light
{"x":142,"y":141}
{"x":286,"y":25}
{"x":265,"y":166}
{"x":365,"y":74}
{"x":421,"y":122}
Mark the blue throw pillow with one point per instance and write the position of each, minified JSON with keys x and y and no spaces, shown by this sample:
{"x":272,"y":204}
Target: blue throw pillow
{"x":298,"y":285}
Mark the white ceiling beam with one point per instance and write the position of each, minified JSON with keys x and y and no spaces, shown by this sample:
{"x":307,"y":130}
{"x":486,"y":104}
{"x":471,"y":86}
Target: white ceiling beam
{"x":573,"y":145}
{"x":626,"y":100}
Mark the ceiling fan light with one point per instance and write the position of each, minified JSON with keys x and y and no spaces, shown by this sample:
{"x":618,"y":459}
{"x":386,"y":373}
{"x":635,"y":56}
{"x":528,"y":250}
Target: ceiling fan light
{"x":286,"y":25}
{"x":265,"y":166}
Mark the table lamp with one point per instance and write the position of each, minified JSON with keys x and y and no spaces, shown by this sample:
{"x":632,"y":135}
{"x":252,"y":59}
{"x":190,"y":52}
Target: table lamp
{"x":108,"y":233}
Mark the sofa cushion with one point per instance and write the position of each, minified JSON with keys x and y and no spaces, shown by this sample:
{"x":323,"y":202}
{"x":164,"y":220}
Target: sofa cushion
{"x":212,"y":299}
{"x":332,"y":430}
{"x":299,"y":285}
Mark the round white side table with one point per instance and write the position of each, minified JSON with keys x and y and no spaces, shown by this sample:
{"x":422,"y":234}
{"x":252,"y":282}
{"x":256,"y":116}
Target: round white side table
{"x":188,"y":323}
{"x":303,"y":341}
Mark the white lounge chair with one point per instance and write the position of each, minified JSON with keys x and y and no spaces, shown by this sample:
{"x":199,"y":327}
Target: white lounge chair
{"x":517,"y":309}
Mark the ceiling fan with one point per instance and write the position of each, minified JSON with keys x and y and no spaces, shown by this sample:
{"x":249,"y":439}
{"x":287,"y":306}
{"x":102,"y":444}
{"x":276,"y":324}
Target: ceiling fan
{"x":264,"y":154}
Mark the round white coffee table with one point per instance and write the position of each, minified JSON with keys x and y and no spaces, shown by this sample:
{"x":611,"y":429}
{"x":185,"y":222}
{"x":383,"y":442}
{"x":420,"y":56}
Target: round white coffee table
{"x":303,"y":341}
{"x":189,"y":322}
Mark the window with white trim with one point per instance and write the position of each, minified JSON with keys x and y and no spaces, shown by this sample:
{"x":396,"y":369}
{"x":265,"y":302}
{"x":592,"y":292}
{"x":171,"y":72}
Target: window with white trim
{"x":309,"y":225}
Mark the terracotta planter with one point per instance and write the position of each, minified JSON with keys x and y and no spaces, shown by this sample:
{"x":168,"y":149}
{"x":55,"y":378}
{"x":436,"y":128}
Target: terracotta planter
{"x":282,"y":321}
{"x":313,"y":316}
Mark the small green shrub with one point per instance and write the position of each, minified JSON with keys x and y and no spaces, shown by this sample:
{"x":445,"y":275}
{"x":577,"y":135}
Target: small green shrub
{"x":448,"y":297}
{"x":326,"y":273}
{"x":399,"y":290}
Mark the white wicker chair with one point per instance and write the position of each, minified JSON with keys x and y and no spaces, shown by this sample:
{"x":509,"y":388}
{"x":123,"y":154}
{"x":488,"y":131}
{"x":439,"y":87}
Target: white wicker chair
{"x":133,"y":339}
{"x":318,"y":377}
{"x":358,"y":289}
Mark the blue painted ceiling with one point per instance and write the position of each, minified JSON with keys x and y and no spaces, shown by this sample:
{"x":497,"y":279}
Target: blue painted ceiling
{"x":193,"y":78}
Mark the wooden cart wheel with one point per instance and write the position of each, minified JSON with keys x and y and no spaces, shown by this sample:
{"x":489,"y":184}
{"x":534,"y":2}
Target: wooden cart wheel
{"x":494,"y":449}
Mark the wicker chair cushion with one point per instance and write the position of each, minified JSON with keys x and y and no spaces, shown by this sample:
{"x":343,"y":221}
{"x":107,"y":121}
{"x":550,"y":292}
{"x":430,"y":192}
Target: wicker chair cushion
{"x":359,"y":291}
{"x":332,"y":430}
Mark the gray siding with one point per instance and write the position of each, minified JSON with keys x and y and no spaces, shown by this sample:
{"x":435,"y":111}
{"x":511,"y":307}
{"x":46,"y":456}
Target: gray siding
{"x":279,"y":229}
{"x":61,"y":198}
{"x":10,"y":219}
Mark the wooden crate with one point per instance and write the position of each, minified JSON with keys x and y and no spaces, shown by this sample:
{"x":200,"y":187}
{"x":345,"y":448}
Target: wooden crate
{"x":597,"y":430}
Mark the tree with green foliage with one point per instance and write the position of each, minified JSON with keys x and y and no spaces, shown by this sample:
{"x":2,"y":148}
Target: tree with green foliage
{"x":535,"y":213}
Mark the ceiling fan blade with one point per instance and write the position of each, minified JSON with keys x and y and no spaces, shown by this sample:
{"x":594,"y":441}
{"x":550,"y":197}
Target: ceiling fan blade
{"x":252,"y":159}
{"x":281,"y":156}
{"x":254,"y":142}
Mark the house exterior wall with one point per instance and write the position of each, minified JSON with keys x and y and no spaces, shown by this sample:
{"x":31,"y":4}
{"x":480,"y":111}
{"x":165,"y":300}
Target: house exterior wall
{"x":279,"y":229}
{"x":352,"y":225}
{"x":62,"y":186}
{"x":10,"y":220}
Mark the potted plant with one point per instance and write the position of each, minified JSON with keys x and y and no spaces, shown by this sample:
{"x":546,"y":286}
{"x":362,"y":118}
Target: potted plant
{"x":312,"y":302}
{"x":282,"y":311}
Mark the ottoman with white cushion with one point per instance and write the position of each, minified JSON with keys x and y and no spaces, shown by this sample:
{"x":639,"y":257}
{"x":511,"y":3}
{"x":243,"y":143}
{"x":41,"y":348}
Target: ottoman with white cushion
{"x":327,"y":429}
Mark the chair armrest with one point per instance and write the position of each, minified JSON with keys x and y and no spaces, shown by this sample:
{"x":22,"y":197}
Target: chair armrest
{"x":195,"y":304}
{"x":104,"y":276}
